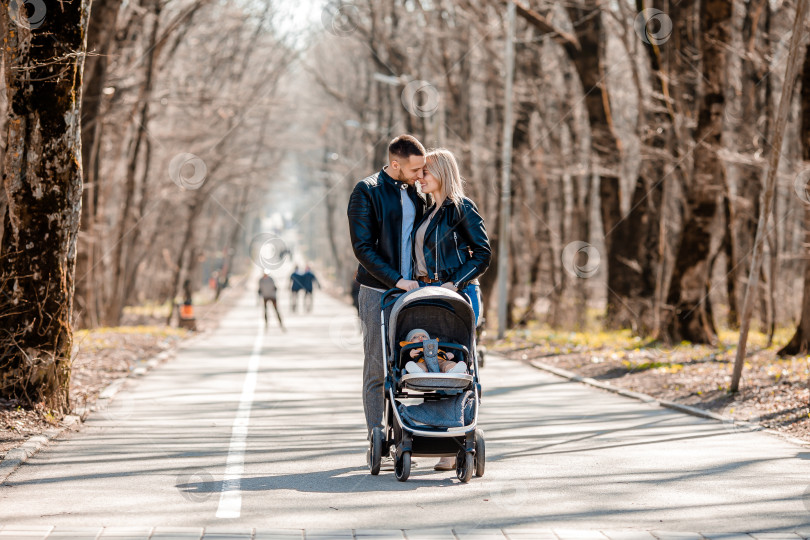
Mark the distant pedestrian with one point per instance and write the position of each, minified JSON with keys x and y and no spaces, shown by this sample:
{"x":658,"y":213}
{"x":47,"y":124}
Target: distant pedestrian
{"x":310,"y":281}
{"x":268,"y":291}
{"x":296,"y":286}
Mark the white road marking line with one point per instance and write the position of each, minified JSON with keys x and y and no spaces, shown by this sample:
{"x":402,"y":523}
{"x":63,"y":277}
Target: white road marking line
{"x":230,"y":500}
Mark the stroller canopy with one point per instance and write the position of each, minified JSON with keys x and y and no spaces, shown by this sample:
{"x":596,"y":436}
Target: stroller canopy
{"x":441,"y":312}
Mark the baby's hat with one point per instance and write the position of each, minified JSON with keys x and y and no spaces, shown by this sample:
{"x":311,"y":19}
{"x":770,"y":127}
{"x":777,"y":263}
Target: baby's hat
{"x":413,"y":332}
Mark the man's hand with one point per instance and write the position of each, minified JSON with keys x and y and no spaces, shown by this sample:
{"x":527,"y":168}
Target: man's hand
{"x":407,"y":284}
{"x":449,"y":286}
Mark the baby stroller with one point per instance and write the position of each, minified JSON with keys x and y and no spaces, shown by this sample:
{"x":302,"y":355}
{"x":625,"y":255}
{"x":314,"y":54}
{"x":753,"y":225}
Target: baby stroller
{"x":444,"y":313}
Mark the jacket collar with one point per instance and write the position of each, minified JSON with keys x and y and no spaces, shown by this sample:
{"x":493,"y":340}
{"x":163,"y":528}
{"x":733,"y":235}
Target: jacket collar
{"x":447,"y":202}
{"x":385,"y":177}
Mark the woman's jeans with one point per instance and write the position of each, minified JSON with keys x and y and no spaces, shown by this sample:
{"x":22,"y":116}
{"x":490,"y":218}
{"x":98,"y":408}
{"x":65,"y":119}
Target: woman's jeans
{"x":473,"y":294}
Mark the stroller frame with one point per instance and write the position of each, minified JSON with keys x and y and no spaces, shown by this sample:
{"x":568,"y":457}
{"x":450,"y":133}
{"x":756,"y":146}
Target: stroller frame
{"x":465,"y":443}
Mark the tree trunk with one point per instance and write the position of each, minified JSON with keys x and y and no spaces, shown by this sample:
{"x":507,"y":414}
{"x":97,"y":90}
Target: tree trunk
{"x":115,"y":305}
{"x":638,"y":254}
{"x":800,"y":342}
{"x":3,"y":116}
{"x":748,"y":127}
{"x":186,"y":244}
{"x":728,"y":246}
{"x":238,"y":216}
{"x":631,"y":296}
{"x":43,"y":183}
{"x":690,"y":317}
{"x":100,"y":33}
{"x":588,"y":60}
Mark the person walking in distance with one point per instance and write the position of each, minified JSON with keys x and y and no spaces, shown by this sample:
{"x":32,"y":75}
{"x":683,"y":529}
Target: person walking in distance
{"x":296,"y":286}
{"x":382,"y":210}
{"x":309,"y":281}
{"x":267,"y":290}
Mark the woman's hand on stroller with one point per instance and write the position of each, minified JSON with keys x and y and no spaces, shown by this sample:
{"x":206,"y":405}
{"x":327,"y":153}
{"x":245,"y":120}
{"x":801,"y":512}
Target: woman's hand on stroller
{"x":407,"y":284}
{"x":449,"y":286}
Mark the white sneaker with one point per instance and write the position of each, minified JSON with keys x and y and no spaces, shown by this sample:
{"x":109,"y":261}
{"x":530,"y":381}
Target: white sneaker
{"x":460,"y":367}
{"x":412,"y":367}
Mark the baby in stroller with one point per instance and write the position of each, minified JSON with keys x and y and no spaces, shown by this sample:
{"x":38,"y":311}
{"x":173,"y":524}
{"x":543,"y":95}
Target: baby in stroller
{"x":446,"y":364}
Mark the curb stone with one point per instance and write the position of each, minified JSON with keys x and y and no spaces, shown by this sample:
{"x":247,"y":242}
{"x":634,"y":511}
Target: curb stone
{"x":19,"y":455}
{"x":645,"y":398}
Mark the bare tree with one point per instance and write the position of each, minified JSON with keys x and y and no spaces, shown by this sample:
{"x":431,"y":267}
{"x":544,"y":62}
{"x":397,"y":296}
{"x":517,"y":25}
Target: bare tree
{"x":689,"y":315}
{"x":800,"y":342}
{"x":42,"y":179}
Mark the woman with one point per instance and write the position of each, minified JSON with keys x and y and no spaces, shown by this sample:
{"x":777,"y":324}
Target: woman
{"x":451,"y":248}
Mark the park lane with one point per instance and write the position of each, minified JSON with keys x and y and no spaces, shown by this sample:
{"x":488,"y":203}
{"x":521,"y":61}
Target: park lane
{"x":558,"y":454}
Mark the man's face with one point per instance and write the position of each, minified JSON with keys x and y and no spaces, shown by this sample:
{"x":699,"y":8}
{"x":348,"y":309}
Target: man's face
{"x":408,"y":170}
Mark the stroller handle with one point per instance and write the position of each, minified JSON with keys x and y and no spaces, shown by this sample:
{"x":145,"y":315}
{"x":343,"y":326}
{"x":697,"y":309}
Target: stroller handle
{"x":389,"y":293}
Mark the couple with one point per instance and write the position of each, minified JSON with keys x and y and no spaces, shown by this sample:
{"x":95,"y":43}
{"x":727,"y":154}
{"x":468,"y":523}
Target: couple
{"x":407,"y":239}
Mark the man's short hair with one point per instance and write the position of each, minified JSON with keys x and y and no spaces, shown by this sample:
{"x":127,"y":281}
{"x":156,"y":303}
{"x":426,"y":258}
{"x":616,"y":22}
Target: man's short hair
{"x":404,"y":147}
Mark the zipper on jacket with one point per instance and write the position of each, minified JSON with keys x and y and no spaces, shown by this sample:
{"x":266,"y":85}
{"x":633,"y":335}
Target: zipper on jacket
{"x":467,"y":275}
{"x":436,"y":247}
{"x":455,"y":241}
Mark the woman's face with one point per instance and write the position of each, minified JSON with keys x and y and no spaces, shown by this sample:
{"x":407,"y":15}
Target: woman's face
{"x":430,"y":184}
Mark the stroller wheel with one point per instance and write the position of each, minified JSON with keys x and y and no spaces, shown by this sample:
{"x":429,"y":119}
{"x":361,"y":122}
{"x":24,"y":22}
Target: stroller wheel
{"x":480,"y":453}
{"x":402,"y":466}
{"x":375,"y":452}
{"x":464,"y":466}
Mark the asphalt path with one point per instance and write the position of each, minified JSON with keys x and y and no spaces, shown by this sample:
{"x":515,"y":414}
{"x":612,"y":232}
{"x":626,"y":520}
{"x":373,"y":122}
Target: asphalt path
{"x":251,"y":427}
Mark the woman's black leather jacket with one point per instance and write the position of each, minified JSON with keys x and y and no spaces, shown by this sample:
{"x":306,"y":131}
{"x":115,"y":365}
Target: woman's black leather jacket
{"x":456,"y":245}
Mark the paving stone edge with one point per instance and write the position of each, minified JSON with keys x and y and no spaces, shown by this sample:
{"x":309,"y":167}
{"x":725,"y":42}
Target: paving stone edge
{"x":202,"y":533}
{"x":645,"y":398}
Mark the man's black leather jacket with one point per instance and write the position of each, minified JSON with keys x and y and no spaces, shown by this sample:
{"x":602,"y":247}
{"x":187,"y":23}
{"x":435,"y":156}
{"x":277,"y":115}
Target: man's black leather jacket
{"x":375,"y":226}
{"x":456,"y":244}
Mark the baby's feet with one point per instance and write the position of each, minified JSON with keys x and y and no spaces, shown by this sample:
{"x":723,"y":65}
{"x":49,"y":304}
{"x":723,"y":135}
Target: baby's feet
{"x":460,"y":367}
{"x":413,"y":367}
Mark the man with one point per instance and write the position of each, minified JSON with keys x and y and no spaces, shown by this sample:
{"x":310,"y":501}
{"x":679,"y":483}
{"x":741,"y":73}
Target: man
{"x":296,"y":286}
{"x":267,"y":290}
{"x":382,"y":210}
{"x":309,"y":281}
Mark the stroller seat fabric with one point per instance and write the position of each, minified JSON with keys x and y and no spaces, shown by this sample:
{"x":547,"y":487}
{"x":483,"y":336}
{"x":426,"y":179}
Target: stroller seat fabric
{"x":456,"y":411}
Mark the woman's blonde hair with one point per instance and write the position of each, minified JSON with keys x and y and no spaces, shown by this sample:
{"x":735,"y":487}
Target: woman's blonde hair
{"x":442,"y":164}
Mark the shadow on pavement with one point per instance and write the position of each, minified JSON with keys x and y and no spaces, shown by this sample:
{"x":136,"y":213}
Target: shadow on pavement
{"x":344,"y":480}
